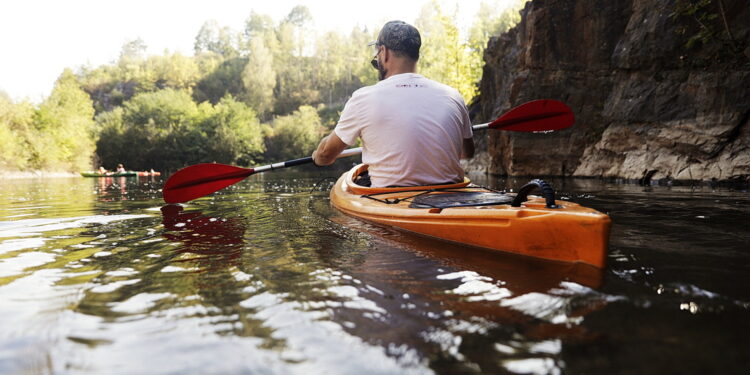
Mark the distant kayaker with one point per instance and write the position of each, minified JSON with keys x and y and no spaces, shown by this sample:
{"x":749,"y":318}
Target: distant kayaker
{"x":120,"y":168}
{"x":413,"y":130}
{"x":103,"y":171}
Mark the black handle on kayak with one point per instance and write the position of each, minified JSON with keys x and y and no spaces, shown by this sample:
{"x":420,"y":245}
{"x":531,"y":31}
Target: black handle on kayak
{"x":547,"y":192}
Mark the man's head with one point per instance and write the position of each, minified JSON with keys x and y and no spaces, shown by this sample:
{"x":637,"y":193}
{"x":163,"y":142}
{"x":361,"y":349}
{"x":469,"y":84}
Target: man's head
{"x":401,"y":39}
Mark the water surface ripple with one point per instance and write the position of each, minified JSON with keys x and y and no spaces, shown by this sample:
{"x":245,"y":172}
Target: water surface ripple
{"x":99,"y":276}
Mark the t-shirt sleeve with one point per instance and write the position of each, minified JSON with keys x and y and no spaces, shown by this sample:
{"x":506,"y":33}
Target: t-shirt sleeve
{"x":350,"y":123}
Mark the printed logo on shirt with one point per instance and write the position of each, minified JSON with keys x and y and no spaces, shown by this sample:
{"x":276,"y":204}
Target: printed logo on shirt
{"x":408,"y":85}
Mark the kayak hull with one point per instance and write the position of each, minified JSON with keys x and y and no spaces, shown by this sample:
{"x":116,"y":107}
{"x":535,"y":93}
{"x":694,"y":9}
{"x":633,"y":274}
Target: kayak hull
{"x":120,"y":174}
{"x":570,"y":233}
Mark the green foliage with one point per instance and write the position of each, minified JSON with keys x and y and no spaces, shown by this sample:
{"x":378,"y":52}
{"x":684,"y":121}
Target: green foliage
{"x":66,"y":120}
{"x":299,"y":16}
{"x":294,"y":135}
{"x":166,"y":130}
{"x":110,"y":86}
{"x":167,"y":111}
{"x":706,"y":24}
{"x":58,"y":135}
{"x":358,"y":56}
{"x":700,"y":11}
{"x":173,"y":71}
{"x":234,"y":133}
{"x":224,"y":80}
{"x":448,"y":57}
{"x":133,"y":50}
{"x":444,"y":56}
{"x":493,"y":19}
{"x":220,"y":40}
{"x":15,"y":128}
{"x":259,"y":77}
{"x":153,"y":130}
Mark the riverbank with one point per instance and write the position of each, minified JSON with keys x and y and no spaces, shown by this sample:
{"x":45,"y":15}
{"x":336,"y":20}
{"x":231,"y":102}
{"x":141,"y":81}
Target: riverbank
{"x":35,"y":174}
{"x":478,"y":166}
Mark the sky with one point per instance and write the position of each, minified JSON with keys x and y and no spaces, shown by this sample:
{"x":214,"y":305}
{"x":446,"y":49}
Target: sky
{"x":40,"y":38}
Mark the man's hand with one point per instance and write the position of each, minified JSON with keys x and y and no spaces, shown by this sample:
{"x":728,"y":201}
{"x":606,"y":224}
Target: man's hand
{"x":328,"y":150}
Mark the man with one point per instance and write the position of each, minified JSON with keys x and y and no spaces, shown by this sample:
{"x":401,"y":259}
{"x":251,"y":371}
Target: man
{"x":414,"y":130}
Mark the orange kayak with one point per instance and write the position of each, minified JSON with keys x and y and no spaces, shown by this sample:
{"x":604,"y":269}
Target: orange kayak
{"x":536,"y":226}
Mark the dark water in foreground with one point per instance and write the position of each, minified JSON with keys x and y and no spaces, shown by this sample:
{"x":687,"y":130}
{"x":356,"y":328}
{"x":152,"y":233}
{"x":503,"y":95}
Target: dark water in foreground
{"x":267,"y":278}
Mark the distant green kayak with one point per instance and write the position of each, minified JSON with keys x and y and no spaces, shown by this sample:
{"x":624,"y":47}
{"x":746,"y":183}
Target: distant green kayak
{"x":115,"y":174}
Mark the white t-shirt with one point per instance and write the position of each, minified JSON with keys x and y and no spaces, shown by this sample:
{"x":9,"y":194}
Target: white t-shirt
{"x":412,"y":130}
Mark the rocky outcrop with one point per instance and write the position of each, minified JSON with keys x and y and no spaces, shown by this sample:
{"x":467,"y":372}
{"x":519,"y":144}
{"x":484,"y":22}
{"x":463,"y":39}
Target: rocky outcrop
{"x":647,"y":107}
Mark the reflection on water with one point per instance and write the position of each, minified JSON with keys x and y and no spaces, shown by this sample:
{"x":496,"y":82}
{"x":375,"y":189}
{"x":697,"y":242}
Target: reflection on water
{"x":99,"y":276}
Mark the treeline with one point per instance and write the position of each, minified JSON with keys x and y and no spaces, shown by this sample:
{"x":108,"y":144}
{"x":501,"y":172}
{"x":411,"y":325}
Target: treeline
{"x":267,"y":92}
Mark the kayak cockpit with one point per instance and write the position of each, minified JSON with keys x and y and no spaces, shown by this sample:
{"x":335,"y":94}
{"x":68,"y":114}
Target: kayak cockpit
{"x":353,"y":187}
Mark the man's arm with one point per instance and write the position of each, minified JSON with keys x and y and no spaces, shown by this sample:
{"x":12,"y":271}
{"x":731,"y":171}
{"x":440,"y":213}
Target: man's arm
{"x":467,"y":151}
{"x":329,"y":149}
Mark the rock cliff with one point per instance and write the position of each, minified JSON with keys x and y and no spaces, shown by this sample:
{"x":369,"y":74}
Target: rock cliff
{"x":647,"y":106}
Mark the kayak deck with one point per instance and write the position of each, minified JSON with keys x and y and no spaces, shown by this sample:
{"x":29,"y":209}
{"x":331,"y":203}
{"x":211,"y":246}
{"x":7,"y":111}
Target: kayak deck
{"x":567,"y":232}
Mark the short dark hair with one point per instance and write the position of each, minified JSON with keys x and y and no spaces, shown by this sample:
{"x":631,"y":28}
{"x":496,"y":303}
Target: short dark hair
{"x":402,"y":37}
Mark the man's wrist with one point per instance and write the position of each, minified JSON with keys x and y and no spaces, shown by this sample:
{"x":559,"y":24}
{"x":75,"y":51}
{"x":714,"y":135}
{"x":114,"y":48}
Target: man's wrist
{"x":313,"y":160}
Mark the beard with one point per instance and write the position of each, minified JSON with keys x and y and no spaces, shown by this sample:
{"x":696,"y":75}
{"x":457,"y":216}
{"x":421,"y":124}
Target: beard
{"x":381,"y":71}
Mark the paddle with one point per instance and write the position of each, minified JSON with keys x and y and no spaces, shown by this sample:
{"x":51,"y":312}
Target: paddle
{"x":535,"y":116}
{"x":198,"y":180}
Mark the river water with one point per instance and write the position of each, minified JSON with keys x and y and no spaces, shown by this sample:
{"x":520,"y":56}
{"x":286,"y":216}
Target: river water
{"x":265,"y":277}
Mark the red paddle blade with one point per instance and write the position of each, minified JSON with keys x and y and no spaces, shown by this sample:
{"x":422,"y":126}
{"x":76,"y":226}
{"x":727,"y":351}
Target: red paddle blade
{"x":536,"y":116}
{"x":198,"y":180}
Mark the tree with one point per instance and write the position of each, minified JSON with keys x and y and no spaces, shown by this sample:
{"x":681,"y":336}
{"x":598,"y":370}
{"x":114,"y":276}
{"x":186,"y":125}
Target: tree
{"x":16,"y":128}
{"x":259,"y":77}
{"x":156,"y":130}
{"x":110,"y":144}
{"x":300,"y":19}
{"x":295,"y":134}
{"x":173,"y":71}
{"x":493,"y":19}
{"x":444,"y":57}
{"x":212,"y":38}
{"x":259,"y":26}
{"x":166,"y":130}
{"x":225,"y":79}
{"x":66,"y":118}
{"x":358,"y":64}
{"x":133,"y":50}
{"x":234,"y":133}
{"x":450,"y":58}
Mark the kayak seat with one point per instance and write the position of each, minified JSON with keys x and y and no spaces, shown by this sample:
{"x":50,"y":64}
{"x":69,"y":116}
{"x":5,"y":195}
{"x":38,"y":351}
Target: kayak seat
{"x":460,"y":199}
{"x":363,"y":179}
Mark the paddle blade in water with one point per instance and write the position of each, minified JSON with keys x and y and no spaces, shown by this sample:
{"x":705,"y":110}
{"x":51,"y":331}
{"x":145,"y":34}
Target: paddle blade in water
{"x":198,"y":180}
{"x":536,"y":116}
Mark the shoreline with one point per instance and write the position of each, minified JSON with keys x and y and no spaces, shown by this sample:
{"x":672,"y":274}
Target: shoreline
{"x":36,"y":174}
{"x":738,"y":184}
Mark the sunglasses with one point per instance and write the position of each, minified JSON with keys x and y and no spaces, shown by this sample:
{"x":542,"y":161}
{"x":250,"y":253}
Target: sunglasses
{"x":375,"y":51}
